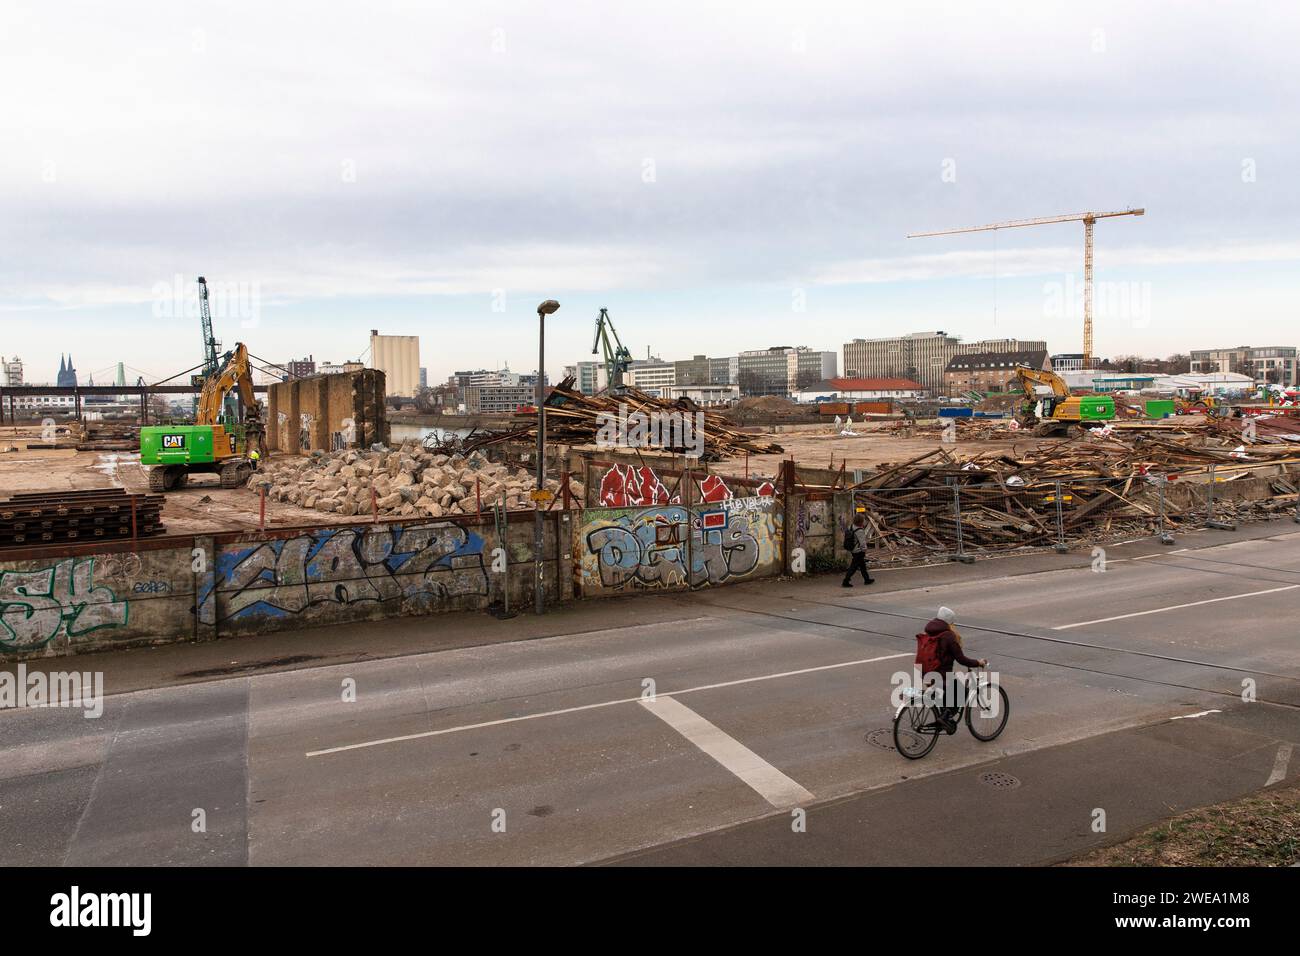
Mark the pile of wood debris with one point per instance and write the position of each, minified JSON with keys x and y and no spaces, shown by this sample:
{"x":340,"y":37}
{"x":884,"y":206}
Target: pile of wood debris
{"x":573,"y":418}
{"x":1106,"y":487}
{"x":966,"y":429}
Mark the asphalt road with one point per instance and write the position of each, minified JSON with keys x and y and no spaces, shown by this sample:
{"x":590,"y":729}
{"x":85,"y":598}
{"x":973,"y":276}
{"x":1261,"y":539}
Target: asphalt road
{"x":750,"y":726}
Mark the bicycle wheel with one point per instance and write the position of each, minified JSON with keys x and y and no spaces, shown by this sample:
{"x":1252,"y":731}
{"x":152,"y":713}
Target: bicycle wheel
{"x":916,"y":730}
{"x":985,"y":717}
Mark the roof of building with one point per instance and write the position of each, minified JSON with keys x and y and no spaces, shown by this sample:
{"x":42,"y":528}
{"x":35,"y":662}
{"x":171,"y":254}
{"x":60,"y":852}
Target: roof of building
{"x":975,"y":361}
{"x":865,"y":385}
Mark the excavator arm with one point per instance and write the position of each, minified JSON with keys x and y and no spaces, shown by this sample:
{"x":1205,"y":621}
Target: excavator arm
{"x":1029,"y":377}
{"x":235,"y":373}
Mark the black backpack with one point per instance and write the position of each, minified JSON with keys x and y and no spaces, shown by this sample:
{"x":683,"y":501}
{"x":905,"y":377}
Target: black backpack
{"x":848,"y":538}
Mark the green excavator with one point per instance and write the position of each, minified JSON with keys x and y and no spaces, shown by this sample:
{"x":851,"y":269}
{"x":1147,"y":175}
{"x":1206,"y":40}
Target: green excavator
{"x":1062,"y":413}
{"x":172,"y":453}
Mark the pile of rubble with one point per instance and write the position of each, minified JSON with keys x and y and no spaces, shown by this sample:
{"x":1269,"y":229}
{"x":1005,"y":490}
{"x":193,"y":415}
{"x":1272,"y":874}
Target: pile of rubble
{"x":399,"y":482}
{"x":573,"y":418}
{"x":1106,"y":486}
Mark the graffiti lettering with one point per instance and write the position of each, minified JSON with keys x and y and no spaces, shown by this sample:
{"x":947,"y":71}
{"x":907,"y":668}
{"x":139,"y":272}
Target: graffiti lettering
{"x":36,"y":605}
{"x":676,"y":547}
{"x":426,"y":565}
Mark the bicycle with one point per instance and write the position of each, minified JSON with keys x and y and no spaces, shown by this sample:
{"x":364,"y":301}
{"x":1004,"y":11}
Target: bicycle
{"x":917,"y":725}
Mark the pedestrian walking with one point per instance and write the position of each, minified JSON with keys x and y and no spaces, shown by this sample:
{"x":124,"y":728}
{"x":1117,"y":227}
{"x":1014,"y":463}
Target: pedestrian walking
{"x":855,"y":542}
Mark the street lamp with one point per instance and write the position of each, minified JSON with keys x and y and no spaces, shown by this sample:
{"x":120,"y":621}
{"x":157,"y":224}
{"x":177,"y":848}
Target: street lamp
{"x":546,"y":308}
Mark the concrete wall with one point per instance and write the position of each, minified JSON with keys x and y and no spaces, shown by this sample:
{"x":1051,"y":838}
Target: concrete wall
{"x":326,"y":412}
{"x":674,"y":547}
{"x":75,"y":598}
{"x":120,"y":596}
{"x":179,"y":589}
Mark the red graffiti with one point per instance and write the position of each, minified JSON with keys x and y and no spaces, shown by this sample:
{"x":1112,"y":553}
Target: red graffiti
{"x":625,"y":486}
{"x":713,"y":488}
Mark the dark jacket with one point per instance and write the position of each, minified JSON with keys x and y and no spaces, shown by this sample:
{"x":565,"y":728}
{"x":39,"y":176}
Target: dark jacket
{"x":949,"y":647}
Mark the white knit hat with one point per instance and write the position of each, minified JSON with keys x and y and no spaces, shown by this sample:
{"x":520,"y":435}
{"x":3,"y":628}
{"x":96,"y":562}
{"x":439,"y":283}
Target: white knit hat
{"x":946,"y":615}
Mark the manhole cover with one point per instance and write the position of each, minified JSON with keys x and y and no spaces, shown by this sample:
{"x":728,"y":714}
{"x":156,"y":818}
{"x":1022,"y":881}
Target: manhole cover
{"x":999,"y":781}
{"x":884,"y":739}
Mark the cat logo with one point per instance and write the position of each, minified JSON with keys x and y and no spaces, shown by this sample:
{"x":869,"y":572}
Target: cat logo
{"x":173,"y":441}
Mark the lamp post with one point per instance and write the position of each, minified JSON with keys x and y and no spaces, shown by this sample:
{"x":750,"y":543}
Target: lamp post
{"x":546,"y":308}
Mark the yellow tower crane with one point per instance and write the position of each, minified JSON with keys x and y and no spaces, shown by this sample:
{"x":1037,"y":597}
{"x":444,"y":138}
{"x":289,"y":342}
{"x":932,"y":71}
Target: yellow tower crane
{"x":1089,"y":219}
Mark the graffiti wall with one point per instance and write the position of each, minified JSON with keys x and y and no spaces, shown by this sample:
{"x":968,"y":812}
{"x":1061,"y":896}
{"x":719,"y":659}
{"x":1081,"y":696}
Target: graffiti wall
{"x":58,"y":605}
{"x":331,"y":575}
{"x":628,"y":486}
{"x":673,"y":547}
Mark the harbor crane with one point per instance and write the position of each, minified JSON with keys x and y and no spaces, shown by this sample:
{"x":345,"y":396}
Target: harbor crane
{"x":1089,"y":219}
{"x":617,"y":357}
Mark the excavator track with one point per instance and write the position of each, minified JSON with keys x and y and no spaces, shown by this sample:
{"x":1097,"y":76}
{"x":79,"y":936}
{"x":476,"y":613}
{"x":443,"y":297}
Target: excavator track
{"x":235,"y":474}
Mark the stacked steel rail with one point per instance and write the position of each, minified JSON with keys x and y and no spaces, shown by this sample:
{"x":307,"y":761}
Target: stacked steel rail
{"x":102,"y":514}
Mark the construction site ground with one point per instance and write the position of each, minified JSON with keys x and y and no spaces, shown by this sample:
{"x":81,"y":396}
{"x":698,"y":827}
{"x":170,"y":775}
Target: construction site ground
{"x":871,"y":447}
{"x":204,"y":507}
{"x":201,"y":508}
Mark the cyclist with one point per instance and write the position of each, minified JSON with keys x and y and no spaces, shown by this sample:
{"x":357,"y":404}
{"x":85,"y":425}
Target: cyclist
{"x":939,"y":647}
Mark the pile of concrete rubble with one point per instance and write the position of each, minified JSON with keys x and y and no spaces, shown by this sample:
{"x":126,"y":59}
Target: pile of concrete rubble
{"x":399,"y":482}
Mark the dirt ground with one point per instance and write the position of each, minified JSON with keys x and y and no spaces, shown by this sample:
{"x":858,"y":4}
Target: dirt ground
{"x":201,"y":507}
{"x":871,"y":448}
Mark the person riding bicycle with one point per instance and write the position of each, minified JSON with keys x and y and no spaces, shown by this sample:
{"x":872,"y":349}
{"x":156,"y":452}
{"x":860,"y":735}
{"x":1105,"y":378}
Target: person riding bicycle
{"x":940,"y":645}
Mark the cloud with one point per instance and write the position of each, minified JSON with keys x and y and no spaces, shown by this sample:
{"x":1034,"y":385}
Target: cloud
{"x":1054,"y":260}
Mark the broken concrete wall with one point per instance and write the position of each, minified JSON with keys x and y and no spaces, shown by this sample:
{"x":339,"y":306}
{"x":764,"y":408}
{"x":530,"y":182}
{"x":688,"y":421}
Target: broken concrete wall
{"x":326,"y":412}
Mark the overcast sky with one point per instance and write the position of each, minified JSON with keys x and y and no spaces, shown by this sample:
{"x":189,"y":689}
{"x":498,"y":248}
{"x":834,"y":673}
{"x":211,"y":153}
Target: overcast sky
{"x":720,"y":176}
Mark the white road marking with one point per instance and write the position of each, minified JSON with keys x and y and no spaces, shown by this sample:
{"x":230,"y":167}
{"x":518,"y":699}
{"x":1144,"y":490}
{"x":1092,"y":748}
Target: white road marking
{"x":1280,"y":765}
{"x":768,"y":782}
{"x":1203,"y":713}
{"x":604,"y":703}
{"x":1175,"y":607}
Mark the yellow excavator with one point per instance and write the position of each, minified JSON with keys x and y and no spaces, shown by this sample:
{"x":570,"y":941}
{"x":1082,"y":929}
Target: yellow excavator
{"x":1063,"y":413}
{"x":174,"y":452}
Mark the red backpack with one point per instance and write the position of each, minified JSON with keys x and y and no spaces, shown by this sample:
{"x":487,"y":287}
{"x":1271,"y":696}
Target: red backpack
{"x":927,"y":652}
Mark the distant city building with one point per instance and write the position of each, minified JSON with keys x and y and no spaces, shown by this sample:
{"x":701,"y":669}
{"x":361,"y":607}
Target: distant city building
{"x":301,"y":368}
{"x":398,"y":357}
{"x":860,"y":390}
{"x":11,"y":370}
{"x":1067,"y":362}
{"x":329,"y":368}
{"x":651,"y":375}
{"x":486,"y":377}
{"x":67,"y":374}
{"x":724,"y":371}
{"x":921,"y":356}
{"x":692,"y":371}
{"x":781,"y":369}
{"x":588,"y":377}
{"x":424,"y":377}
{"x":989,"y":371}
{"x":705,"y":395}
{"x":1267,"y":365}
{"x":497,"y":399}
